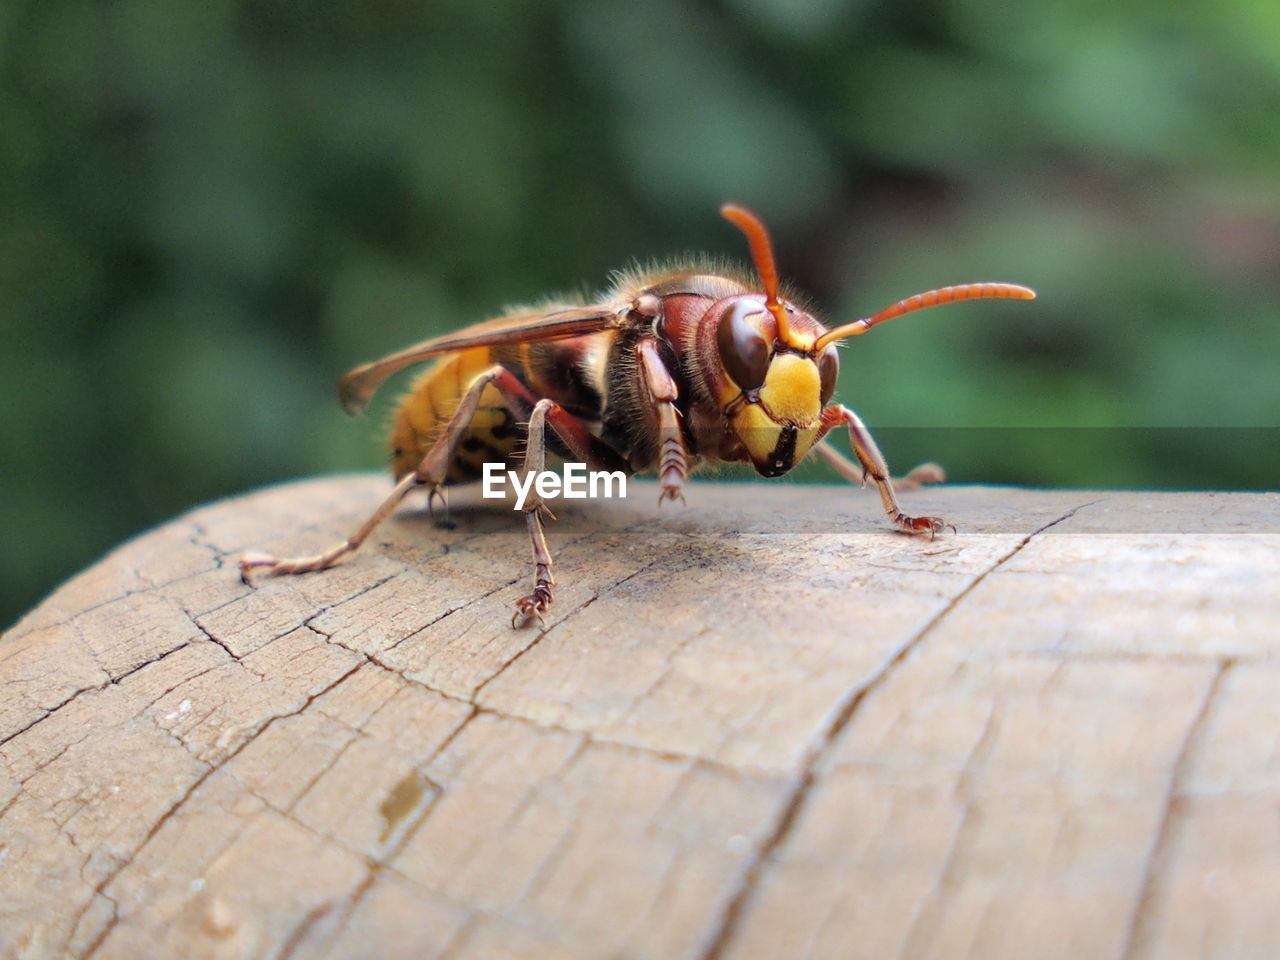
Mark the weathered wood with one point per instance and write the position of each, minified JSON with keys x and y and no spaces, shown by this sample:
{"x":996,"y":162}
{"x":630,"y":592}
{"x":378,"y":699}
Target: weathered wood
{"x":764,"y":726}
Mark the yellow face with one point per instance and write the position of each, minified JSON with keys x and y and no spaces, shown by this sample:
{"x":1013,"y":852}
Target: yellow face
{"x":776,"y":392}
{"x":780,"y":427}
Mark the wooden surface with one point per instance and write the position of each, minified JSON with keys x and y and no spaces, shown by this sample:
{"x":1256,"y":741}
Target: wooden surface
{"x":765,"y":726}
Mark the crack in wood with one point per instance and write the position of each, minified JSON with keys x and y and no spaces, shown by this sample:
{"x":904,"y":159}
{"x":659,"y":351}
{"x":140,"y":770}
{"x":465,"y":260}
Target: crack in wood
{"x":200,"y":538}
{"x":654,"y":753}
{"x":210,"y":636}
{"x":542,"y":870}
{"x":452,"y":610}
{"x":460,"y":939}
{"x":430,"y":623}
{"x":150,"y":587}
{"x":378,"y":864}
{"x":168,"y":690}
{"x":925,"y":916}
{"x":305,"y":623}
{"x":300,"y":932}
{"x":481,"y":596}
{"x":475,"y":694}
{"x":668,"y":665}
{"x":739,"y":903}
{"x":667,"y":756}
{"x":182,"y":800}
{"x":109,"y":682}
{"x":71,"y":621}
{"x":1140,"y":925}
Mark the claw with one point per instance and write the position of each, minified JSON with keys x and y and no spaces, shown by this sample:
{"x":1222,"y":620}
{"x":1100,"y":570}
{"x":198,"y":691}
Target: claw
{"x":250,"y":559}
{"x":534,"y":605}
{"x":523,"y":615}
{"x":930,"y":525}
{"x":672,"y":493}
{"x":431,"y":501}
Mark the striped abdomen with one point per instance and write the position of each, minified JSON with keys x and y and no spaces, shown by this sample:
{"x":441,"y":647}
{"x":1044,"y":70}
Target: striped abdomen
{"x":562,"y":370}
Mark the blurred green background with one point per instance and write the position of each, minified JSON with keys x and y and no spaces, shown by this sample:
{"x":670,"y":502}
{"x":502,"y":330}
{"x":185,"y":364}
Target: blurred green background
{"x":213,"y":209}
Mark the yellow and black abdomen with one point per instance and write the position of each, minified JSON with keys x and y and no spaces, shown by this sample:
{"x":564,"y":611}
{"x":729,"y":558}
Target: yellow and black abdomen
{"x":566,"y":371}
{"x":424,"y":414}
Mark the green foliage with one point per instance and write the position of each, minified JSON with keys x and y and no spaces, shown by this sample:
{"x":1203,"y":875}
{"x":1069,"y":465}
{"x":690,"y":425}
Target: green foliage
{"x":214,"y":209}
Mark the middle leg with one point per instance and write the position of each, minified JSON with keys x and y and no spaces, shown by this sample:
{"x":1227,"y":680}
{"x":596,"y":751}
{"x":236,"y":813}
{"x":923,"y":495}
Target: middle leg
{"x":597,"y":455}
{"x":917,"y":477}
{"x":673,"y":458}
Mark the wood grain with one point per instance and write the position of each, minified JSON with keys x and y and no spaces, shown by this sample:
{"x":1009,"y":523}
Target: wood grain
{"x":763,"y":726}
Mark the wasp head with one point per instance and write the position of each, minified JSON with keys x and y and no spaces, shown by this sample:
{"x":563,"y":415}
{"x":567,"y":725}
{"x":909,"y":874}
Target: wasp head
{"x":774,"y":390}
{"x":780,"y":363}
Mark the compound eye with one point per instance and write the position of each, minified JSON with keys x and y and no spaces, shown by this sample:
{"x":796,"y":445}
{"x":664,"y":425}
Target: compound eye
{"x":828,"y":372}
{"x":743,"y":348}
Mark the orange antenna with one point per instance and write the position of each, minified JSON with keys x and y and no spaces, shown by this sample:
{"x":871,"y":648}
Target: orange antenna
{"x":932,"y":298}
{"x":762,"y":254}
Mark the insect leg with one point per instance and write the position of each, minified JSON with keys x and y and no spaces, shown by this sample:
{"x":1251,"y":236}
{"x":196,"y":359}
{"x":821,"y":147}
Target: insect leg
{"x":673,"y":459}
{"x":254,"y":558}
{"x":430,"y":473}
{"x":582,"y":443}
{"x":926,"y":473}
{"x":535,"y":456}
{"x":873,"y":466}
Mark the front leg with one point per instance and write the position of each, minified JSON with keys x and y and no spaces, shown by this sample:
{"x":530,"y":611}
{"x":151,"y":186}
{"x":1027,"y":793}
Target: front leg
{"x":673,"y":458}
{"x":873,"y":466}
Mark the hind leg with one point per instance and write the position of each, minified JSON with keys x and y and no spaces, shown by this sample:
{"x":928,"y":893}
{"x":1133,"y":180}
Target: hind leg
{"x":430,"y":473}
